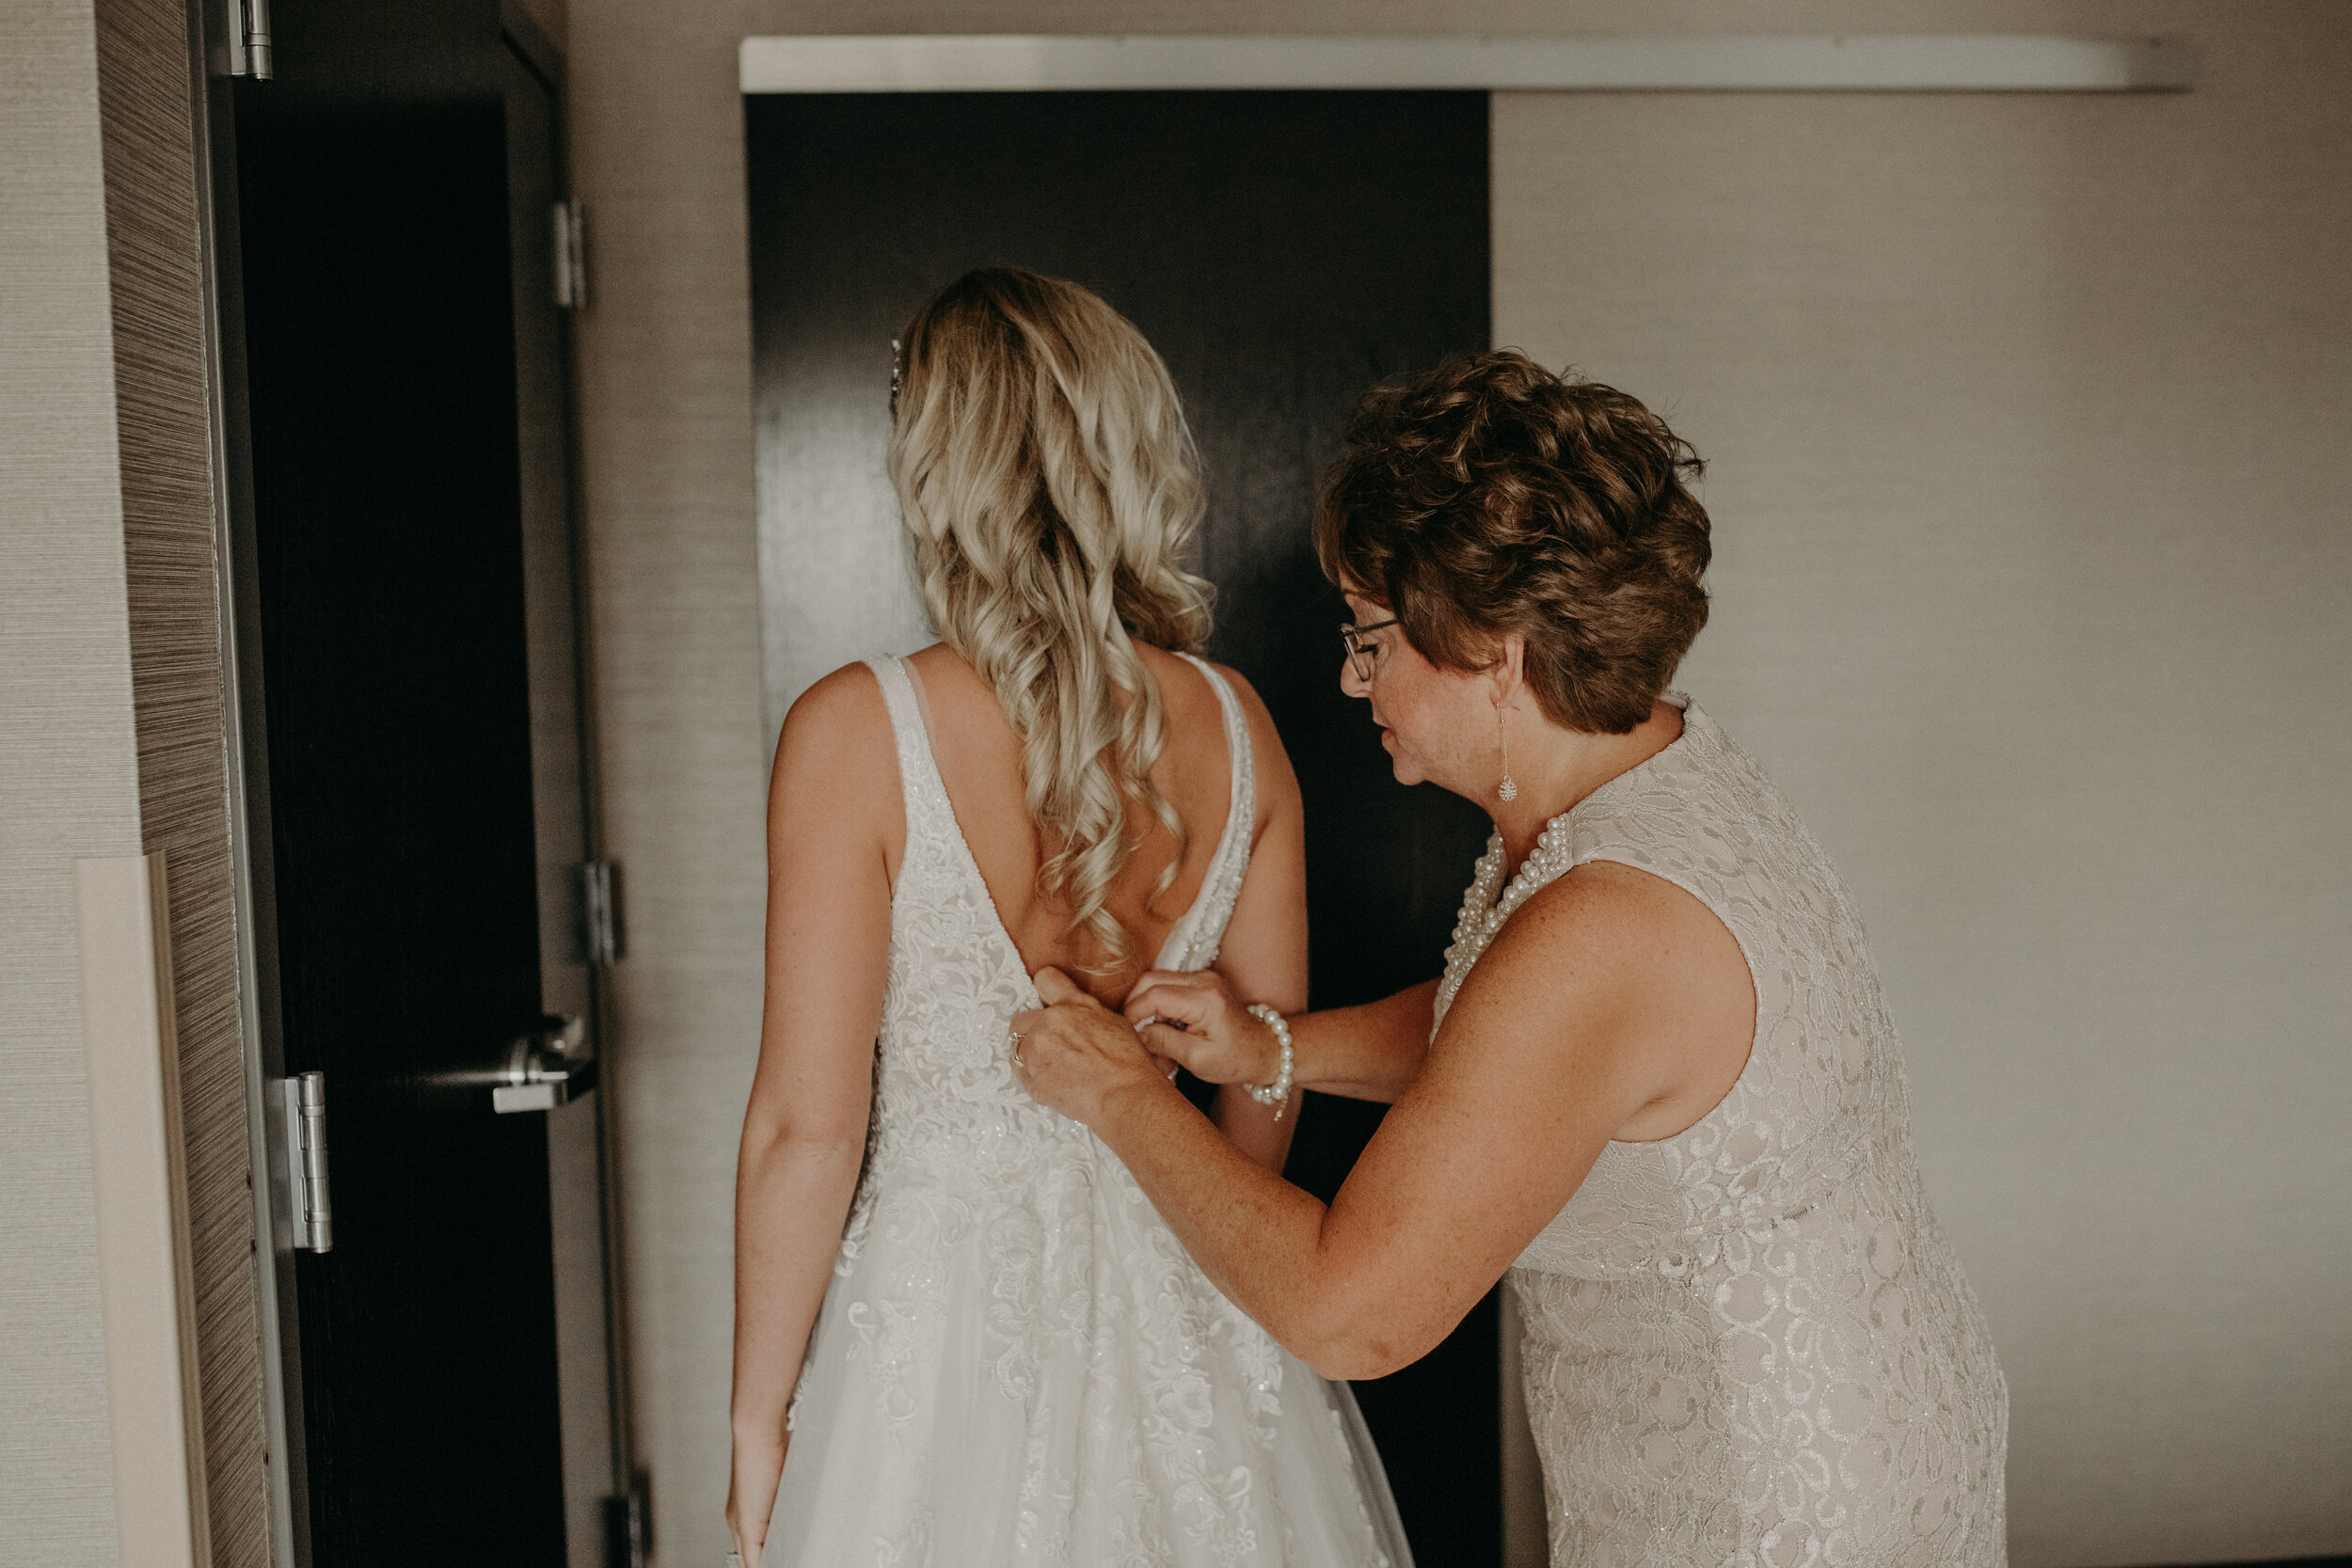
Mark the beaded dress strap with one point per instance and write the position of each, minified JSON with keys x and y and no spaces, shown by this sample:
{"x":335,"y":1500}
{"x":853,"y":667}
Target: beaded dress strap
{"x":1193,"y":944}
{"x":921,"y":789}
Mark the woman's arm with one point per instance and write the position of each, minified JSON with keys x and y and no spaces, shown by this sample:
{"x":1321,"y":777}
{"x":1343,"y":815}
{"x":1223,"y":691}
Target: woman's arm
{"x":1264,"y":952}
{"x":1598,"y":1009}
{"x":833,"y":816}
{"x":1372,"y":1051}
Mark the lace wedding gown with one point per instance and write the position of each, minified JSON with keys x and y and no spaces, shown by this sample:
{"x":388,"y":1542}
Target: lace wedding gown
{"x":1016,"y":1364}
{"x":1748,"y":1344}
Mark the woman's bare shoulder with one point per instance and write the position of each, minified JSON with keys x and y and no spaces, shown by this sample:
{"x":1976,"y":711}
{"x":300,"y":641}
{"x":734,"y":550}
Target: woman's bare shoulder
{"x":844,"y":707}
{"x":1641,"y":981}
{"x":836,"y":755}
{"x":1607,"y":925}
{"x":960,"y":704}
{"x":936,"y":657}
{"x":1184,"y":691}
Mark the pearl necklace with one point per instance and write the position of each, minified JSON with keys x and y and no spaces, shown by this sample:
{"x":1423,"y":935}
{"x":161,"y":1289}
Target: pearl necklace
{"x":1483,"y":913}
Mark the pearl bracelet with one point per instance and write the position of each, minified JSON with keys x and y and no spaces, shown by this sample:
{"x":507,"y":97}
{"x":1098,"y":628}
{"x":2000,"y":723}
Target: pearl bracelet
{"x":1276,"y":1094}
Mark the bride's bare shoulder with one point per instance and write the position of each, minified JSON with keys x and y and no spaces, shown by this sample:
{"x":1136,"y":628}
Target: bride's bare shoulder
{"x":837,"y":708}
{"x":939,"y":661}
{"x":1278,"y":785}
{"x":836,"y":748}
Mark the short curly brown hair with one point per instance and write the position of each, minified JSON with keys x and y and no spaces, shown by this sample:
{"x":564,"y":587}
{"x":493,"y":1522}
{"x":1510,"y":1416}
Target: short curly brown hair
{"x":1488,"y":497}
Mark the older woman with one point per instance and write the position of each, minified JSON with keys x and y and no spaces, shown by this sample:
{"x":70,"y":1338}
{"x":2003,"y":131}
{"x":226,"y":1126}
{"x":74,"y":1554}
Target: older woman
{"x":1657,"y":1084}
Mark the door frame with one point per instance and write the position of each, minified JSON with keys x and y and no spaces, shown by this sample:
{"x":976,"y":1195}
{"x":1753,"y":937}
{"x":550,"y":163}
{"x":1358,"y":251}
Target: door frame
{"x":1767,"y":62}
{"x":625,"y":1524}
{"x":216,"y":45}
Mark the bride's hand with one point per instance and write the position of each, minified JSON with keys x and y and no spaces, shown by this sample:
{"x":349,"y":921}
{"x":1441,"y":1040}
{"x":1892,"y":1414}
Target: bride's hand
{"x":1074,"y":1054}
{"x":1214,"y":1036}
{"x":752,"y":1494}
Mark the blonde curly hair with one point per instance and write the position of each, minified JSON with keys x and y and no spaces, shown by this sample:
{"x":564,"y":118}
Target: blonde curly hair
{"x":1051,"y":488}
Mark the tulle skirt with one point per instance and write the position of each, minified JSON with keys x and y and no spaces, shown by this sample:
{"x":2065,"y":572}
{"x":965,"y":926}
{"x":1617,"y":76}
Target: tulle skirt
{"x":1023,"y":1367}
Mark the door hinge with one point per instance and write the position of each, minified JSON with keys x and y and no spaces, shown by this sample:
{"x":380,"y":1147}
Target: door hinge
{"x":571,"y":254}
{"x":599,"y":887}
{"x":250,"y":51}
{"x":304,"y":1103}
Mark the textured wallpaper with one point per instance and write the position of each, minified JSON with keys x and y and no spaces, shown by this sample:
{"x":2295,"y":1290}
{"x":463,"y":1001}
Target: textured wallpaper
{"x":163,"y":414}
{"x":69,"y":781}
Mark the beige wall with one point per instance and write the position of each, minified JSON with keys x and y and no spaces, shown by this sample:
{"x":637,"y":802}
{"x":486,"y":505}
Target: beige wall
{"x":68,"y":771}
{"x":2027,"y":421}
{"x":2029,"y":428}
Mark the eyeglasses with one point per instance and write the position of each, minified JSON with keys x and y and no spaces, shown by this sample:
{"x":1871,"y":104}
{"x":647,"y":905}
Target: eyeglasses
{"x":1363,"y":655}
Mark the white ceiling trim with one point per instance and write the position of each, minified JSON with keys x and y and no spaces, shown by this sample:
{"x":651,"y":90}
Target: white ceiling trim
{"x":1696,"y":63}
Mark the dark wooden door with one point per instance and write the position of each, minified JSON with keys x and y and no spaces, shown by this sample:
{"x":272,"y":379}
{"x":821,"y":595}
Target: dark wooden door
{"x":1283,"y":251}
{"x":405,"y":513}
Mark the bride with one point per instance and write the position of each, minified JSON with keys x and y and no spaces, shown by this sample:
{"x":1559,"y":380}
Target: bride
{"x":962,"y":1334}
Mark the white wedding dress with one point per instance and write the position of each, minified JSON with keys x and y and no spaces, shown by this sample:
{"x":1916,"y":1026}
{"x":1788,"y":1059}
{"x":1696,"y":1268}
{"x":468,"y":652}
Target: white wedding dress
{"x":1016,"y":1362}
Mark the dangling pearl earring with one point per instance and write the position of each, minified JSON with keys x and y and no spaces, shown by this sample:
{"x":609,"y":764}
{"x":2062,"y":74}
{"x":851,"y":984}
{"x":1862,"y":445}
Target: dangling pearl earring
{"x":1508,"y":790}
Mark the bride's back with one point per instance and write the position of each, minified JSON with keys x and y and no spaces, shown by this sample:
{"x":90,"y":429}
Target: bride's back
{"x":1061,"y":781}
{"x":978,"y":753}
{"x":1050,"y":490}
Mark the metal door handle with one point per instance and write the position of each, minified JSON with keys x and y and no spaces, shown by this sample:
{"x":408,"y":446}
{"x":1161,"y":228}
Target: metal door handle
{"x":544,"y":1068}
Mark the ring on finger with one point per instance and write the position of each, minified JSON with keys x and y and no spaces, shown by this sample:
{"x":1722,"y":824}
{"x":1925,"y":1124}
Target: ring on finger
{"x":1012,"y":1038}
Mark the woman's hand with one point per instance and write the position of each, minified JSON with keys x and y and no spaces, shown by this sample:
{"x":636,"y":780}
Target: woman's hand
{"x":1194,"y":1020}
{"x":1076,"y":1055}
{"x":757,"y":1469}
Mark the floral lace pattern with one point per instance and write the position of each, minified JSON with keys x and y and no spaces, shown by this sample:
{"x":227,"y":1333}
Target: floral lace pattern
{"x":1749,"y":1344}
{"x":1016,"y":1362}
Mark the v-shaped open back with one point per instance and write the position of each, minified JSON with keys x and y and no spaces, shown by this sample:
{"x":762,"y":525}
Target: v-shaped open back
{"x":1193,"y":940}
{"x":1016,"y":1362}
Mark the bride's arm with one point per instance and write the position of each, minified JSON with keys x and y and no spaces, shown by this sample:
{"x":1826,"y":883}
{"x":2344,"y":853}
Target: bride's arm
{"x":833,"y":808}
{"x":1264,"y":952}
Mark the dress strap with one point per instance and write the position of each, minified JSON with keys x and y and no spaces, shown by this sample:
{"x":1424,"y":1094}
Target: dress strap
{"x":1193,"y":944}
{"x":920,"y":786}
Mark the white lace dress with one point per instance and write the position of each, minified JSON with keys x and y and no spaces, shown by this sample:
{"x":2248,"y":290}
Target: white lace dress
{"x":1748,"y":1344}
{"x":1016,"y":1362}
